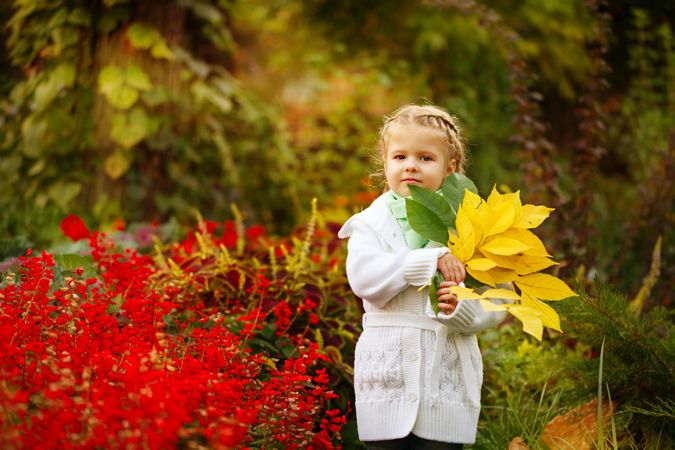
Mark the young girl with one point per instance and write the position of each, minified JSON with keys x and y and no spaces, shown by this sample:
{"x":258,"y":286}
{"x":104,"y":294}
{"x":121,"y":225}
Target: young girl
{"x":417,"y":375}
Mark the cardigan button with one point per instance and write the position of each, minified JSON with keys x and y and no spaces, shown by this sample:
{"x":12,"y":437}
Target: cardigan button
{"x":412,"y":357}
{"x":412,"y":397}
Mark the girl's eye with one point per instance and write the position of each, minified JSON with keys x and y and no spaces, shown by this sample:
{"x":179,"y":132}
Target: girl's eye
{"x":399,"y":157}
{"x":427,"y":158}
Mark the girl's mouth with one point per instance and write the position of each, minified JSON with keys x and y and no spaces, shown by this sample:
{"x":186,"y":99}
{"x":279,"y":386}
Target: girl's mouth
{"x":411,"y":180}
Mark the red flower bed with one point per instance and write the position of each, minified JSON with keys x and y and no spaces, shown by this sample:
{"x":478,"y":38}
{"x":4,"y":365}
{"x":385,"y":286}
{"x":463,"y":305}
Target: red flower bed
{"x":110,"y":362}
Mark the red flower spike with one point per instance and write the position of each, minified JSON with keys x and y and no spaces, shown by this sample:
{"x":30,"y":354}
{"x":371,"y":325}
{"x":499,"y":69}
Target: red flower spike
{"x":254,"y":232}
{"x":119,"y":224}
{"x":137,"y":382}
{"x":74,"y":228}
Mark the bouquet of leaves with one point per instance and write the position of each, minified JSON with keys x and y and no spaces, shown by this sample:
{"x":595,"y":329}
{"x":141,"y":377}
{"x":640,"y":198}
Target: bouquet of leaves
{"x":492,"y":238}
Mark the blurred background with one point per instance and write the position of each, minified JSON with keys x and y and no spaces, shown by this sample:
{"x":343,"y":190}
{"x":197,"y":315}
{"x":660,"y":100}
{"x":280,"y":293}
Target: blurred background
{"x":132,"y":112}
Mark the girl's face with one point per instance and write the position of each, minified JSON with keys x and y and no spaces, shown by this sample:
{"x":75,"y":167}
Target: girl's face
{"x":415,"y":155}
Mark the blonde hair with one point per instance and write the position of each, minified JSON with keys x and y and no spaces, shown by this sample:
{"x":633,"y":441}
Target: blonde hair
{"x":431,"y":117}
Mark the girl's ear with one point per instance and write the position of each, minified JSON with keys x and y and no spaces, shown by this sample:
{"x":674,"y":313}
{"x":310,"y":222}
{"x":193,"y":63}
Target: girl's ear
{"x":452,"y":167}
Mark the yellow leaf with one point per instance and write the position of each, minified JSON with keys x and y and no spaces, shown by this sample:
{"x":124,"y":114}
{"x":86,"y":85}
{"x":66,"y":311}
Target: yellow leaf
{"x":474,"y":209}
{"x":523,"y":264}
{"x":543,"y":286}
{"x":514,"y":197}
{"x":457,"y":247}
{"x":481,"y":264}
{"x":528,"y":238}
{"x":504,"y":246}
{"x":499,"y":218}
{"x":482,"y":276}
{"x":501,"y":293}
{"x":501,"y":275}
{"x":471,"y":201}
{"x":530,"y":318}
{"x":549,"y":316}
{"x":495,"y":198}
{"x":462,"y":244}
{"x":489,"y":306}
{"x":493,"y":276}
{"x":464,"y":293}
{"x":531,"y":216}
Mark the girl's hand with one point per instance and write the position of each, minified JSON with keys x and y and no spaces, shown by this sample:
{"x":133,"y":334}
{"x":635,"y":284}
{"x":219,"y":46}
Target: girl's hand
{"x":447,"y":302}
{"x":451,"y":268}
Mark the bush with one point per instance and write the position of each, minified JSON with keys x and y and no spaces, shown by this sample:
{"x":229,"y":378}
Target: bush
{"x":117,"y":348}
{"x":639,"y":359}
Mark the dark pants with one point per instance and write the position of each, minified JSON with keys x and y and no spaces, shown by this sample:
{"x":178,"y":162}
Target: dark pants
{"x":412,"y":442}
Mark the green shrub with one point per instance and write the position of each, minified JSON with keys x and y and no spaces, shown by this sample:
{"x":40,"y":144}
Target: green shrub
{"x":639,"y":359}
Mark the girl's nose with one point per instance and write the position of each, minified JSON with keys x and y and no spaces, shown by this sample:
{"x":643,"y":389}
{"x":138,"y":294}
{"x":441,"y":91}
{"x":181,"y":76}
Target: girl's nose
{"x":411,"y":164}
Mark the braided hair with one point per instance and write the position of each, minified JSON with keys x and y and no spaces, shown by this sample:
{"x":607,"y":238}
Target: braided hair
{"x":432,"y":117}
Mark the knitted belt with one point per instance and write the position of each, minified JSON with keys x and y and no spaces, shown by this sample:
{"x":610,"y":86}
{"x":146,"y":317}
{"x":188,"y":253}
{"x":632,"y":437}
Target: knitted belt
{"x":374,"y":320}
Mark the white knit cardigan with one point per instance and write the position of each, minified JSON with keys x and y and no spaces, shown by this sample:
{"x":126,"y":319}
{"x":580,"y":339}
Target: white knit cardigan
{"x":413,"y":371}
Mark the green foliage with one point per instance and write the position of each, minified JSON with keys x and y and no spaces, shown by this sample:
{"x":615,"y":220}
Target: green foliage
{"x":432,"y":214}
{"x":640,"y":151}
{"x":434,"y":202}
{"x":639,"y":356}
{"x":426,"y":222}
{"x":114,"y":111}
{"x":525,"y":387}
{"x":453,"y":189}
{"x":246,"y":274}
{"x":556,"y":49}
{"x":451,"y":54}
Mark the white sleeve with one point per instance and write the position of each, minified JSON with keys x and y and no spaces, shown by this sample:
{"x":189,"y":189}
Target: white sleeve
{"x":469,"y":317}
{"x":377,"y":275}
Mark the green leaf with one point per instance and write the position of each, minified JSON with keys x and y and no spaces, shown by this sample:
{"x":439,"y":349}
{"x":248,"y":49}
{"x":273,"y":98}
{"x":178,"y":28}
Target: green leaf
{"x":64,"y":37}
{"x":58,"y":19}
{"x":201,"y":91}
{"x":318,"y":338}
{"x":117,"y":164}
{"x":63,"y":192}
{"x":156,"y":96}
{"x":61,"y":76}
{"x":129,"y":130}
{"x":142,"y":36}
{"x":224,"y":104}
{"x":333,"y":353}
{"x":64,"y":75}
{"x":426,"y":222}
{"x":70,"y":261}
{"x":123,"y":97}
{"x":113,"y":17}
{"x":207,"y":12}
{"x":118,"y":131}
{"x":44,"y":93}
{"x":115,"y":304}
{"x":453,"y":189}
{"x":79,"y":16}
{"x":436,"y":281}
{"x":436,"y":203}
{"x":137,"y":78}
{"x":37,"y":167}
{"x":110,"y":78}
{"x":33,"y":131}
{"x":161,"y":50}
